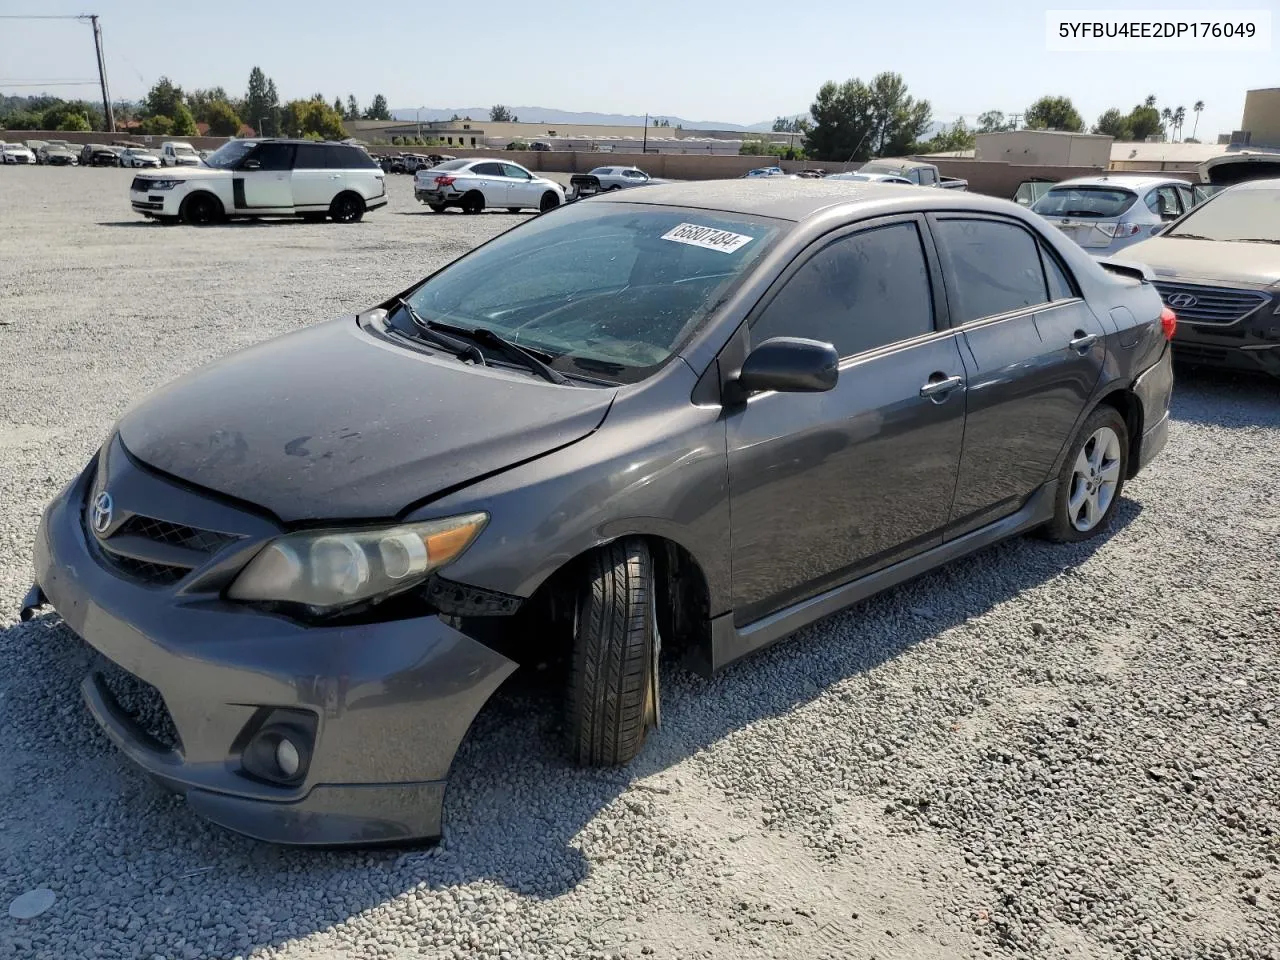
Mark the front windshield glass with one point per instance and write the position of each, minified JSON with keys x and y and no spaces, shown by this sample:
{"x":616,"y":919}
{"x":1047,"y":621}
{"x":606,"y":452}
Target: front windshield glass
{"x":1085,"y":202}
{"x":229,"y":154}
{"x":1252,"y":214}
{"x":610,"y":291}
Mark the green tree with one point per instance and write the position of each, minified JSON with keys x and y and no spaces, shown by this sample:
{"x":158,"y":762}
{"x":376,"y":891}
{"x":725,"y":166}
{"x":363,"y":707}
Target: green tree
{"x":184,"y":124}
{"x":1150,"y":101}
{"x":76,"y":122}
{"x":222,"y":119}
{"x":899,"y":119}
{"x":338,"y":108}
{"x":842,"y":122}
{"x":200,"y":102}
{"x":1115,"y":124}
{"x":262,"y":104}
{"x":1199,"y":106}
{"x":1054,"y":113}
{"x":157,"y":126}
{"x":378,"y":110}
{"x":163,"y":99}
{"x":499,"y":114}
{"x":353,"y":108}
{"x":303,"y":117}
{"x":1179,"y":117}
{"x":993,"y":121}
{"x":956,"y":137}
{"x":1144,"y":120}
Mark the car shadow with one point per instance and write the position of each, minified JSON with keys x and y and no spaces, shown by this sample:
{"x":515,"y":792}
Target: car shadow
{"x":1253,"y":399}
{"x":515,"y":807}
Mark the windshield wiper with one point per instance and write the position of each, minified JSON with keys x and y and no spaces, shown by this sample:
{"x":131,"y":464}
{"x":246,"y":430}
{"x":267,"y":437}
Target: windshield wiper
{"x":1252,"y":240}
{"x":1187,"y":236}
{"x":429,"y":332}
{"x":513,"y":349}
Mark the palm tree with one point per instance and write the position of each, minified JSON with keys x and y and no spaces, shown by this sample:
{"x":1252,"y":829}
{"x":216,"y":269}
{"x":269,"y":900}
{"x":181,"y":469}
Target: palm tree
{"x":1199,"y":105}
{"x":1179,"y":115}
{"x":1166,"y":115}
{"x":1150,"y":101}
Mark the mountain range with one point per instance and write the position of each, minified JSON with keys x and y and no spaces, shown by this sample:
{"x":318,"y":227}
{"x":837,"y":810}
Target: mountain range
{"x":549,"y":115}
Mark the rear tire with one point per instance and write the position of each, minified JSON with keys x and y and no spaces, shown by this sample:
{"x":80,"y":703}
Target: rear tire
{"x":202,"y":209}
{"x":1092,"y":478}
{"x":549,"y":201}
{"x":347,"y":208}
{"x":613,"y":686}
{"x":473,"y":202}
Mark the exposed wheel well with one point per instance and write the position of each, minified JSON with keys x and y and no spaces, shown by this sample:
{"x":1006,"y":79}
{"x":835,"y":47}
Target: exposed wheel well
{"x":1127,"y":404}
{"x":541,"y":632}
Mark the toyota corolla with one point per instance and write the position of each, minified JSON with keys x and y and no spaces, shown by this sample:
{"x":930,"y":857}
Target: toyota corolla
{"x":693,"y":417}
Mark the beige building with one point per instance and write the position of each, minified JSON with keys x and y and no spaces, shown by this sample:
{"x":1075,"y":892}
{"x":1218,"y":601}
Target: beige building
{"x":1050,"y":148}
{"x":462,"y":133}
{"x":1262,"y":117}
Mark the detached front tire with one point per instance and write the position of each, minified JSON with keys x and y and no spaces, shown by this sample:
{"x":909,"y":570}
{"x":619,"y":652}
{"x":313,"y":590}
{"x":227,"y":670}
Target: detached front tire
{"x":613,"y":695}
{"x":1092,"y":478}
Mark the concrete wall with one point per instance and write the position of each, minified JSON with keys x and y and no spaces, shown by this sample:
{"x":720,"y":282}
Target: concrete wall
{"x":1047,"y":147}
{"x":1262,"y":117}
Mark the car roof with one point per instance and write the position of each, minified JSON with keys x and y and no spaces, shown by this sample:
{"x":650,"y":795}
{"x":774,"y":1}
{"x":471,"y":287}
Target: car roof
{"x":1271,"y":183}
{"x":800,"y":198}
{"x":1134,"y":181}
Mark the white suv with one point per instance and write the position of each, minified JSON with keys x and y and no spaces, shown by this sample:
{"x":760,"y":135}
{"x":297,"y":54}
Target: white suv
{"x":265,"y":178}
{"x":473,"y":185}
{"x":174,"y":154}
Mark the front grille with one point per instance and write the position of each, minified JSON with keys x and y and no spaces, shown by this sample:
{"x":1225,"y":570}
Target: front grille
{"x":143,"y":571}
{"x":140,"y":702}
{"x":1216,"y":305}
{"x":162,"y":531}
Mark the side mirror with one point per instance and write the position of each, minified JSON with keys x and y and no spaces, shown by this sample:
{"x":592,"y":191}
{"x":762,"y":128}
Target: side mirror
{"x":789,"y":365}
{"x":251,"y":165}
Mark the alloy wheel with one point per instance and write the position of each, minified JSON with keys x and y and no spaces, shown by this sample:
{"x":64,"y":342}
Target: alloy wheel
{"x":1094,"y":479}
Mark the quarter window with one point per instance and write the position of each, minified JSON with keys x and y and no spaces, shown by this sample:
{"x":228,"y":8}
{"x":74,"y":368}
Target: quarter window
{"x":487,"y":169}
{"x":1163,"y":201}
{"x":926,"y":177}
{"x":857,"y":293}
{"x":991,"y":268}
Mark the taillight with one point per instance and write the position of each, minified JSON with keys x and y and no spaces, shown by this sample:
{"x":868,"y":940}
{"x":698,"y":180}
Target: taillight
{"x":444,"y":181}
{"x":1168,"y":323}
{"x":1119,"y":231}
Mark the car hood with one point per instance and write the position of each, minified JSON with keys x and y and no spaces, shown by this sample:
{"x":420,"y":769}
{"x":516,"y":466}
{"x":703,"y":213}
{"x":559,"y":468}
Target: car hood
{"x":188,"y":172}
{"x":1256,"y":264}
{"x":334,"y":423}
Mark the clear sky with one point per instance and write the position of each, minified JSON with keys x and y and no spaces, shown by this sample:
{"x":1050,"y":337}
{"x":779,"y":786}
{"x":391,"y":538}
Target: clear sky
{"x":740,"y":61}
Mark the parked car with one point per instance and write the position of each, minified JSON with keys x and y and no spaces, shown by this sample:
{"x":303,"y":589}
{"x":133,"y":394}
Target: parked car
{"x":915,"y":171}
{"x":99,"y":155}
{"x":540,"y":145}
{"x":175,"y":153}
{"x":1107,"y":213}
{"x":265,"y":178}
{"x":766,"y":172}
{"x":57,"y":153}
{"x":695,"y":417}
{"x":812,"y":174}
{"x":34,"y":146}
{"x":16,"y":153}
{"x":138,"y":157}
{"x":1218,"y":267}
{"x":471,"y":185}
{"x":619,"y":178}
{"x":868,"y":177}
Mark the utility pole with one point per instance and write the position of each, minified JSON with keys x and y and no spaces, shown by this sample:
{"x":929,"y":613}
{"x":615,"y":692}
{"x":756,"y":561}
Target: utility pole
{"x":102,"y":73}
{"x":644,"y":147}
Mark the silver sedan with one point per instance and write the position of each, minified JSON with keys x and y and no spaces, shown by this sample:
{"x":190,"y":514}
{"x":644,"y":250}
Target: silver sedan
{"x":618,"y":178}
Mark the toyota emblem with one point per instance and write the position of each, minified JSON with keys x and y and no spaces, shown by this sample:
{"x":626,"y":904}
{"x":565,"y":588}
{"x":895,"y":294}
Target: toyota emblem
{"x":1183,"y":300}
{"x":101,"y":515}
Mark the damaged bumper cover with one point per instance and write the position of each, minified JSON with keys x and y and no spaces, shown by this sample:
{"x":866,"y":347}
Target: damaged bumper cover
{"x":378,"y":709}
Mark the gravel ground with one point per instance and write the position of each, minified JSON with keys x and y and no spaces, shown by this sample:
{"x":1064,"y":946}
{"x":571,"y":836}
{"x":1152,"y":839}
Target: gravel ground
{"x":1039,"y":751}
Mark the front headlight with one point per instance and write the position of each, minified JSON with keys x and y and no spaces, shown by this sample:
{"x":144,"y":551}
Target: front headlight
{"x":330,"y":569}
{"x":162,"y":184}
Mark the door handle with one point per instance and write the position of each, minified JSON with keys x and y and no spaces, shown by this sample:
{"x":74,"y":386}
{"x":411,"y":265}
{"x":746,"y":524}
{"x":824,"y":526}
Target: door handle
{"x":939,"y":387}
{"x":1082,"y":341}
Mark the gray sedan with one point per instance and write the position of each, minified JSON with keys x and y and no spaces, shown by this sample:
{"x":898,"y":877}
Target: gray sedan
{"x":619,"y":178}
{"x":695,"y":417}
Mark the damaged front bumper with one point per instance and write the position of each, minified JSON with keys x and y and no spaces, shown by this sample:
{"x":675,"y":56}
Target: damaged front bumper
{"x":378,"y":709}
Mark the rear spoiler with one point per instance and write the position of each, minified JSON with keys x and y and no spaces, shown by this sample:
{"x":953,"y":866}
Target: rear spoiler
{"x":1127,"y":268}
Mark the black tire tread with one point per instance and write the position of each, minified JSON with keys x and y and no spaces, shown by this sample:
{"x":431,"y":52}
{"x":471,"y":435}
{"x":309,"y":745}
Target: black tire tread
{"x":612,"y":656}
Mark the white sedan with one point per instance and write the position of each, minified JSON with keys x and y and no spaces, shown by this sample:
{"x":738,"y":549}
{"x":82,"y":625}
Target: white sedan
{"x":134,"y":157}
{"x":16,"y":153}
{"x":472,"y":185}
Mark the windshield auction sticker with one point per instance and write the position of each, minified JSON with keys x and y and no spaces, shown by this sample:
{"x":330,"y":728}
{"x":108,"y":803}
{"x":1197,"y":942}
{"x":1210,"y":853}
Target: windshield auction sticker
{"x":709,"y":238}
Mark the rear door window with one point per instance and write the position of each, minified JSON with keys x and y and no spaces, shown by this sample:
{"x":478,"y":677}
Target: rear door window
{"x":1164,"y":202}
{"x":1095,"y":202}
{"x":311,"y":156}
{"x":992,"y":267}
{"x":857,"y":293}
{"x":488,"y":169}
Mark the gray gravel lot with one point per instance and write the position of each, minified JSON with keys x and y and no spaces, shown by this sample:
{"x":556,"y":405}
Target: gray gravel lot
{"x":1039,"y":751}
